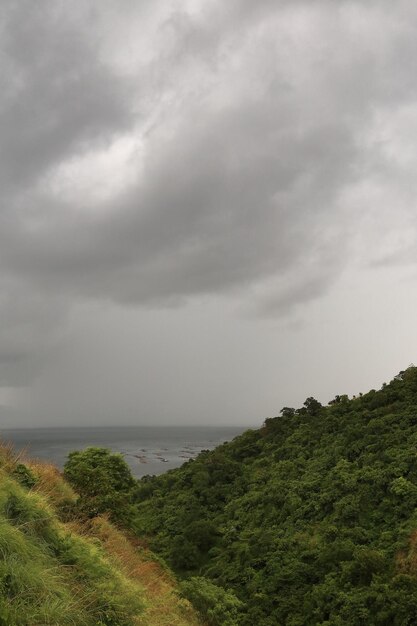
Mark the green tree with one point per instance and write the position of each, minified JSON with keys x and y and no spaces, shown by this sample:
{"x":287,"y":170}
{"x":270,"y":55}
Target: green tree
{"x":103,"y":481}
{"x":312,"y":406}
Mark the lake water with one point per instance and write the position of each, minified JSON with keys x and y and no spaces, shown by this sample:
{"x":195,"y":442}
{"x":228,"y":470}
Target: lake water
{"x":147,"y":449}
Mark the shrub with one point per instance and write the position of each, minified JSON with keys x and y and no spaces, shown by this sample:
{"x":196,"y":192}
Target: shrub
{"x":24,"y":475}
{"x":216,"y":605}
{"x":103,"y":481}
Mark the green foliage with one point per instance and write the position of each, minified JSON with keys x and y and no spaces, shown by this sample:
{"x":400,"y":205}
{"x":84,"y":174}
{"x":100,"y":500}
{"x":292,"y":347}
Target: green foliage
{"x":24,"y":475}
{"x":217,"y":606}
{"x":103,"y":481}
{"x":307,"y":521}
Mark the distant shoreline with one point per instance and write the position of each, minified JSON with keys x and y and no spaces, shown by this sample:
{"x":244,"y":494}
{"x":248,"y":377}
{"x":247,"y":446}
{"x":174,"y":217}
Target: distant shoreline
{"x":241,"y":427}
{"x":147,"y":449}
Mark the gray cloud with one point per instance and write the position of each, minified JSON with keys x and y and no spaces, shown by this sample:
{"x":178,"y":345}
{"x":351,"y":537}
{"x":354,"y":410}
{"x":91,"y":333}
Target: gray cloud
{"x":58,"y":97}
{"x":253,"y":125}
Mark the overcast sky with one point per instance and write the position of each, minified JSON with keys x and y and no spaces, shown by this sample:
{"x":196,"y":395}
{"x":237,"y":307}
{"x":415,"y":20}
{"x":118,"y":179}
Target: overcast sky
{"x":207,"y":209}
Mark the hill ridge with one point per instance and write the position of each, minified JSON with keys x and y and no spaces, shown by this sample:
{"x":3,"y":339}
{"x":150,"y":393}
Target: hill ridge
{"x":309,"y":520}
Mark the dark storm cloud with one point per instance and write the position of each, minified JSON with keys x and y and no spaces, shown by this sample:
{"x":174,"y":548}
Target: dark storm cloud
{"x":57,"y":96}
{"x":57,"y":99}
{"x":252,"y":120}
{"x":212,"y":217}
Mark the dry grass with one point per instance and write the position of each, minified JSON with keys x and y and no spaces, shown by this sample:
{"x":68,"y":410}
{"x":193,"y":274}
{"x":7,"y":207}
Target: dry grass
{"x":9,"y":458}
{"x":50,"y":482}
{"x":38,"y":587}
{"x":164,"y":606}
{"x":406,"y":560}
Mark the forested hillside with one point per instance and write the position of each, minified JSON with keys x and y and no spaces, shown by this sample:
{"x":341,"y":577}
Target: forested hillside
{"x":310,"y":520}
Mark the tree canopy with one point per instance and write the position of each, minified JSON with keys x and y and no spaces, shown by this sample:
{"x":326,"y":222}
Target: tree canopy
{"x":310,"y":520}
{"x":103,"y":481}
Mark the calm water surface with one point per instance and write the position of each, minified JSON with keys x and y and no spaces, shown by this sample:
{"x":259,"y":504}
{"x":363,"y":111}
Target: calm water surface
{"x":147,"y":449}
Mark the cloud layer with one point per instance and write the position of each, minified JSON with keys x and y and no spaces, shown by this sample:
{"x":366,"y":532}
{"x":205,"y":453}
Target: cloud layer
{"x":154,"y":154}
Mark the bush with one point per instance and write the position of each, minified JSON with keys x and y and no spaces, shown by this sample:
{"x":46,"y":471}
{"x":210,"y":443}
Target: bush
{"x":216,"y":605}
{"x":103,"y":481}
{"x":24,"y":475}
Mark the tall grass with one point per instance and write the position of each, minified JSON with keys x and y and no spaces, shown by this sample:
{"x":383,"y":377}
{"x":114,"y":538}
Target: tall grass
{"x":49,"y":575}
{"x":57,"y":573}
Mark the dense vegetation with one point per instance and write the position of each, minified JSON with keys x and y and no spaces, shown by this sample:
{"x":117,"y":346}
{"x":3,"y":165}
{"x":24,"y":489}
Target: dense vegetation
{"x":63,"y":565}
{"x":310,"y":520}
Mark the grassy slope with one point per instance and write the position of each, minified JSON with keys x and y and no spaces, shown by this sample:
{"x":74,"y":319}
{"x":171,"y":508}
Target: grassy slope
{"x":56,"y":573}
{"x":310,"y":520}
